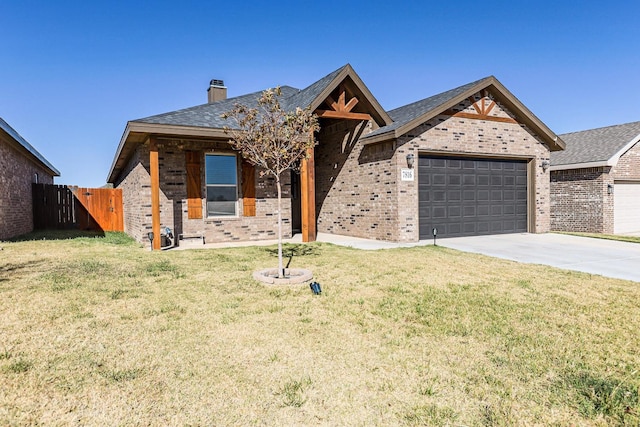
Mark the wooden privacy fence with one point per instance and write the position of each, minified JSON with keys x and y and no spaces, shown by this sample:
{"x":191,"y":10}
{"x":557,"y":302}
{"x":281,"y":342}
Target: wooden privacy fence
{"x":64,"y":207}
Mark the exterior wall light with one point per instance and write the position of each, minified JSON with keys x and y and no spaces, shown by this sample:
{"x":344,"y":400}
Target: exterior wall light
{"x":545,"y":165}
{"x":609,"y":188}
{"x":410,"y":160}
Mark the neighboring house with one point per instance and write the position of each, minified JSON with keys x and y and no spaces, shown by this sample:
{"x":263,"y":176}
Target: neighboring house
{"x":20,"y":166}
{"x":595,"y":182}
{"x":469,"y":161}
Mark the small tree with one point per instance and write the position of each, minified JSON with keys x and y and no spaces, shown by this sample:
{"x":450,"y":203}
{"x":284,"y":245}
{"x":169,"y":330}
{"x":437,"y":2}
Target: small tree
{"x":273,"y":139}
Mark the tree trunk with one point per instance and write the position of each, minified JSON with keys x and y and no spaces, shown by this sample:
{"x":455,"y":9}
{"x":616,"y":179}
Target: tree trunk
{"x":280,"y":264}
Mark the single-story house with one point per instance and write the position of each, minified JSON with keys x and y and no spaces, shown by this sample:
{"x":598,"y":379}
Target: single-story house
{"x":469,"y":161}
{"x":595,"y":181}
{"x":20,"y":166}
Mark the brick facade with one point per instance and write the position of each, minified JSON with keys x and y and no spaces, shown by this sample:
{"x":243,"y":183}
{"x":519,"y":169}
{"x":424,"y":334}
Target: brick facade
{"x":355,"y":184}
{"x":17,"y":173}
{"x":628,"y":166}
{"x":136,"y":186}
{"x":359,"y":188}
{"x":580,"y":198}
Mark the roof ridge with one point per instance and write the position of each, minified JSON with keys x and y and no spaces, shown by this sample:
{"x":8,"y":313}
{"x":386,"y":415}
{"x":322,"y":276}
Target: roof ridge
{"x":601,"y":128}
{"x":442,"y":93}
{"x":30,"y":148}
{"x":252,"y":95}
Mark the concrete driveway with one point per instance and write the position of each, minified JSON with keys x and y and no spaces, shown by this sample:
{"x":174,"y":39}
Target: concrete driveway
{"x":597,"y":256}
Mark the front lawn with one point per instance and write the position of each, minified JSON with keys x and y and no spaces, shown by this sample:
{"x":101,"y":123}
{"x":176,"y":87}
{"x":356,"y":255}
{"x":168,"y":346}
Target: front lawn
{"x":100,"y":331}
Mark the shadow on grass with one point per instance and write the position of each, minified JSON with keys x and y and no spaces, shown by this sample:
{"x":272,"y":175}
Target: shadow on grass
{"x":294,"y":250}
{"x":56,"y":235}
{"x":616,"y":399}
{"x":8,"y":271}
{"x":111,"y":237}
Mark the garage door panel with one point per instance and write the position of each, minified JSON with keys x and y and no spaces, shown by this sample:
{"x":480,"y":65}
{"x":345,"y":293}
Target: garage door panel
{"x":482,"y":210}
{"x":439,"y":179}
{"x":469,"y":211}
{"x":454,"y":212}
{"x":467,"y":196}
{"x":439,"y":195}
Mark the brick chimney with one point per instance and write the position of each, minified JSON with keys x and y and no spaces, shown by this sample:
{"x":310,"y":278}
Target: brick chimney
{"x":217,"y":91}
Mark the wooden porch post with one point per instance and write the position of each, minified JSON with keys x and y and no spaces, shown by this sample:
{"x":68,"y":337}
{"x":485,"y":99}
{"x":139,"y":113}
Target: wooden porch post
{"x":308,"y":198}
{"x":154,"y":170}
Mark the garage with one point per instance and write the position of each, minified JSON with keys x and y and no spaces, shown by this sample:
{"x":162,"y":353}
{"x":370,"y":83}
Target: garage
{"x":626,"y":207}
{"x":471,"y":196}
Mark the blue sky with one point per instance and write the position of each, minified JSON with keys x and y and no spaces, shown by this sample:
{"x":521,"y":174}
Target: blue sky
{"x":74,"y":72}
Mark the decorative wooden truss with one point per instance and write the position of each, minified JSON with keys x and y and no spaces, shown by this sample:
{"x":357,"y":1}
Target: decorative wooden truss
{"x":482,"y":109}
{"x":341,"y":109}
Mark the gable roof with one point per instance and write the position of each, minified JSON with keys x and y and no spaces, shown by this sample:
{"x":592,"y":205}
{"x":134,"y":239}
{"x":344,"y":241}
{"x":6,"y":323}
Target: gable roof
{"x":317,"y":93}
{"x":596,"y":147}
{"x":205,"y":120}
{"x":412,"y":115}
{"x":28,"y":149}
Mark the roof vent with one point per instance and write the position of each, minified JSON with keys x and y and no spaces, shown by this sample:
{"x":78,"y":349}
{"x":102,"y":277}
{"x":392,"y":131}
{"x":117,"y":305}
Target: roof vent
{"x":217,"y":91}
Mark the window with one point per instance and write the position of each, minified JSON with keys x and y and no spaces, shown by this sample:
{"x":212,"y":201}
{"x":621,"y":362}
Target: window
{"x":222,"y":184}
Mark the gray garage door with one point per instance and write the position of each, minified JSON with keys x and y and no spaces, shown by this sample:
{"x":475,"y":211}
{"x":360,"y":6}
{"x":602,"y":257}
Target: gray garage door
{"x":469,"y":197}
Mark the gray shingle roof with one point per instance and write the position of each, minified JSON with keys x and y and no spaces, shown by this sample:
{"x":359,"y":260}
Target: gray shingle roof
{"x":306,"y":96}
{"x":23,"y":142}
{"x":209,"y":115}
{"x":405,"y":114}
{"x":595,"y":145}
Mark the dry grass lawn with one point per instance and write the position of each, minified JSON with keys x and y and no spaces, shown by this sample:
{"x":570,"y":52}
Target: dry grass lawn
{"x":100,"y":331}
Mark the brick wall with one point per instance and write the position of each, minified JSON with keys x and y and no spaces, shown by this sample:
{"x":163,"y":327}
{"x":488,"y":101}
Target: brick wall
{"x":136,"y":194}
{"x":580,"y":201}
{"x":173,"y":197}
{"x":360,"y":189}
{"x":17,"y":173}
{"x":355,"y":185}
{"x":628,"y":167}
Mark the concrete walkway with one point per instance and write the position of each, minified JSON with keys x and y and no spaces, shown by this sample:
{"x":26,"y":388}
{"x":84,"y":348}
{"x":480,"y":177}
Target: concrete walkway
{"x":596,"y":256}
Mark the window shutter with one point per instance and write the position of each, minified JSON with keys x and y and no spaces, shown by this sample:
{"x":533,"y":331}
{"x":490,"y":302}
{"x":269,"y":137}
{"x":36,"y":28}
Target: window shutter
{"x":248,"y":189}
{"x":194,"y":187}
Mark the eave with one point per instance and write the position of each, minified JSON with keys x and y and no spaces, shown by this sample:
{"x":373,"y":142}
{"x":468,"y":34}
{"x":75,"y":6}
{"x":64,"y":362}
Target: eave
{"x":522,"y":113}
{"x":17,"y":145}
{"x":610,"y":162}
{"x":137,"y":132}
{"x":379,"y":115}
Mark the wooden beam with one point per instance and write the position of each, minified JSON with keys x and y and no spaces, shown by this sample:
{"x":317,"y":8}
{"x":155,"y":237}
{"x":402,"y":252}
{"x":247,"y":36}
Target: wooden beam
{"x":331,"y":103}
{"x":328,"y":114}
{"x":308,"y":198}
{"x":490,"y":107}
{"x":154,"y":171}
{"x":352,"y":103}
{"x":474,"y":104}
{"x":479,"y":117}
